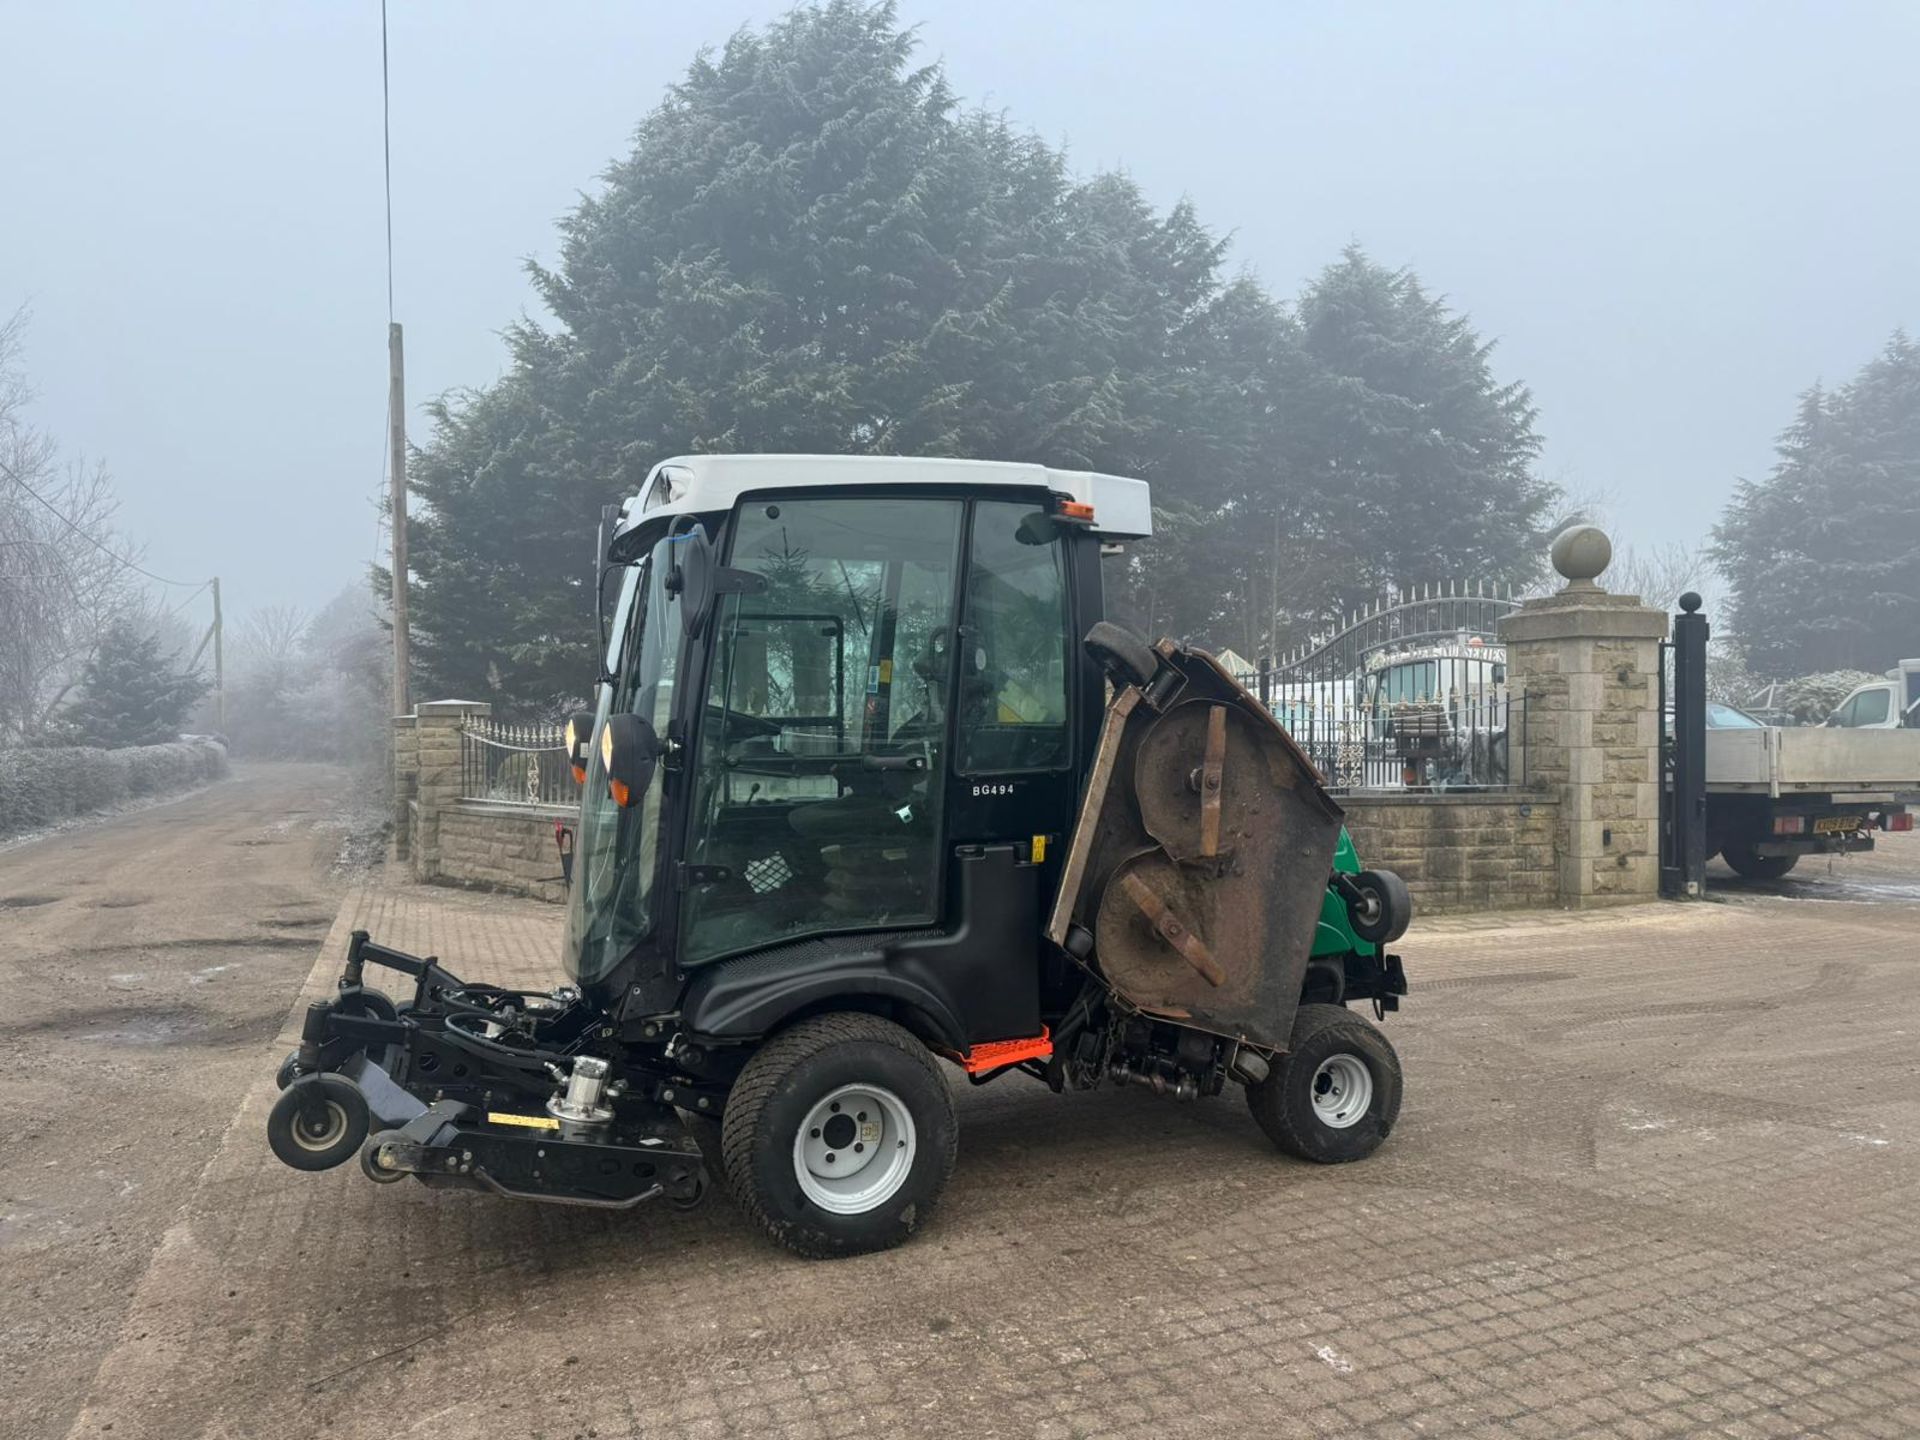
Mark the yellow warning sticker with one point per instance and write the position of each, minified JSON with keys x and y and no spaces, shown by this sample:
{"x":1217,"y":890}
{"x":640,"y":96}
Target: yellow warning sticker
{"x":1039,"y":849}
{"x":886,"y":672}
{"x":531,"y":1122}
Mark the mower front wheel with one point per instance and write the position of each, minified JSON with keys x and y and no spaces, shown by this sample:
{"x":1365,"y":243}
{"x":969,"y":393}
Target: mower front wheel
{"x":318,"y":1122}
{"x":839,"y":1135}
{"x":1333,"y":1097}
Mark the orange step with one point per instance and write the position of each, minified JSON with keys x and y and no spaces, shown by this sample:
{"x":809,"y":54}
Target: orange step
{"x":993,"y":1054}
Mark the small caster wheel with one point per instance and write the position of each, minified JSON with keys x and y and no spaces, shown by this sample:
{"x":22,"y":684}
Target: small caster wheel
{"x":318,"y":1122}
{"x":1125,"y":657}
{"x":289,"y":1070}
{"x":693,"y":1201}
{"x":372,"y":1003}
{"x":370,"y":1165}
{"x":1380,"y":909}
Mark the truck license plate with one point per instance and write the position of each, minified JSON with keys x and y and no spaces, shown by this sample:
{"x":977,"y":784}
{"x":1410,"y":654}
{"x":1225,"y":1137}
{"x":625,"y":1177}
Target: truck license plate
{"x":1837,"y":824}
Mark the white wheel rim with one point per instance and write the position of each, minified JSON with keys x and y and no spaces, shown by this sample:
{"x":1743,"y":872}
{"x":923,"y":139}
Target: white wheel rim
{"x":1342,"y":1091}
{"x":854,"y":1150}
{"x":316,"y":1139}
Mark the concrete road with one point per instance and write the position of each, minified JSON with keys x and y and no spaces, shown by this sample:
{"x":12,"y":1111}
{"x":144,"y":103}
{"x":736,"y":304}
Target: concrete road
{"x":1654,"y":1176}
{"x":145,"y":959}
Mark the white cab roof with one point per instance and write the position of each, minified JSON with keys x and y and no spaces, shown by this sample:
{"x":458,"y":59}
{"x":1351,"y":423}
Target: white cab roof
{"x":691,"y":484}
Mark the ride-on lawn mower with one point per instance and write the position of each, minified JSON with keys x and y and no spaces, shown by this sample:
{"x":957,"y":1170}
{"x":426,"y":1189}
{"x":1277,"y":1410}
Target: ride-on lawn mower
{"x":872,"y":782}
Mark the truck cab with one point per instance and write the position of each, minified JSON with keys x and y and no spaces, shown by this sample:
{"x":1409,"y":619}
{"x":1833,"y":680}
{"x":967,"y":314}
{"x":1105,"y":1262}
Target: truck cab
{"x":1891,"y":703}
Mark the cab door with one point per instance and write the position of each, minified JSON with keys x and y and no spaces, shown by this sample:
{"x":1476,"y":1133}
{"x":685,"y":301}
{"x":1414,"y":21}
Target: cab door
{"x":822,"y":748}
{"x":1017,"y":663}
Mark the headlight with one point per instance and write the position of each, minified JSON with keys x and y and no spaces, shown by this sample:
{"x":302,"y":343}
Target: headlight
{"x":579,"y":734}
{"x":629,"y":750}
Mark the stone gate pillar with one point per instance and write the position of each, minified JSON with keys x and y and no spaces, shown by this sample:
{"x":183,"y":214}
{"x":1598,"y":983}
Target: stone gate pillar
{"x":1585,"y":661}
{"x":436,"y":744}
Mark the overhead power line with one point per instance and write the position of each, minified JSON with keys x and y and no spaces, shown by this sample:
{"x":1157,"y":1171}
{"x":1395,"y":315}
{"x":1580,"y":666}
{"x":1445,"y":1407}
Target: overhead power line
{"x":97,"y":544}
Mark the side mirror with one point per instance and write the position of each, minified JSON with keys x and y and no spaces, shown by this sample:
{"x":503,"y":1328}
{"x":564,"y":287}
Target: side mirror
{"x":698,"y":578}
{"x":578,"y":735}
{"x":629,"y":749}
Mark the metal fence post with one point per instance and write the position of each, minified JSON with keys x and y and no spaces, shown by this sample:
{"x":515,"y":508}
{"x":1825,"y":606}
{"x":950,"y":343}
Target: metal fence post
{"x":1685,"y":807}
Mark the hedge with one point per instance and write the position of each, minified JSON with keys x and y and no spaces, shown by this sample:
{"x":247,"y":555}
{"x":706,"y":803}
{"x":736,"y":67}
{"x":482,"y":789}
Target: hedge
{"x":39,"y":788}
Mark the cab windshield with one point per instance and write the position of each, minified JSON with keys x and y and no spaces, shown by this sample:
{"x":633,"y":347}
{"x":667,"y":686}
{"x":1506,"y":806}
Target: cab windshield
{"x":611,"y":905}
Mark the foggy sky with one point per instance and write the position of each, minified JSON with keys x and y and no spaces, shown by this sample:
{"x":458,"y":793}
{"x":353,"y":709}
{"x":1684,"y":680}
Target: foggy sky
{"x":1672,"y":217}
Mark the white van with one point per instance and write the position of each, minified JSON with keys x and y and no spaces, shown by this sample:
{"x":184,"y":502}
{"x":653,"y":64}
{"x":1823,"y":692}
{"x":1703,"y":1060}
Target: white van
{"x":1889,"y":704}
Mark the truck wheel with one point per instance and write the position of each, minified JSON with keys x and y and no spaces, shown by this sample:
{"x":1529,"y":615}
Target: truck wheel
{"x":1333,"y":1097}
{"x":318,"y":1122}
{"x":1741,"y":859}
{"x":1382,"y":909}
{"x":839,"y":1135}
{"x":1121,"y":653}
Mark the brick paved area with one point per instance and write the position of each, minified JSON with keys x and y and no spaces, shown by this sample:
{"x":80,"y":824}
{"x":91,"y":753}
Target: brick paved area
{"x":1655,"y":1175}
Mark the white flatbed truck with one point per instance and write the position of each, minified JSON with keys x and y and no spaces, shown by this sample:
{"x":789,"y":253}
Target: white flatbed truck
{"x":1777,"y":793}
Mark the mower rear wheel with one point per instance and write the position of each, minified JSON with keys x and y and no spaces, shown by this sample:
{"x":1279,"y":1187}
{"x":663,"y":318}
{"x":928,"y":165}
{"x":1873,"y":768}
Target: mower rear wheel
{"x":839,"y":1135}
{"x":318,"y":1122}
{"x":1333,"y":1097}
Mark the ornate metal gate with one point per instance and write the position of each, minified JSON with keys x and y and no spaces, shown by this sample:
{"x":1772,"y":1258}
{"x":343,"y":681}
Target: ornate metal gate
{"x":1409,"y":693}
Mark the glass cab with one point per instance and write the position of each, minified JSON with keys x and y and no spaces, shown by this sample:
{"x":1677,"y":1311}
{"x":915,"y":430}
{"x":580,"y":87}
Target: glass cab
{"x":887,"y":676}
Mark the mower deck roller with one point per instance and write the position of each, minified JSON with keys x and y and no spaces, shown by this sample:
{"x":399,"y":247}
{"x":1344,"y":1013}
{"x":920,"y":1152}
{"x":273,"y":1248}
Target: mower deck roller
{"x":1197,"y":871}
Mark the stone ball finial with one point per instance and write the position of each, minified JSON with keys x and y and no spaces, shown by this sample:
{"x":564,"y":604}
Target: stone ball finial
{"x":1691,"y":602}
{"x":1581,"y":552}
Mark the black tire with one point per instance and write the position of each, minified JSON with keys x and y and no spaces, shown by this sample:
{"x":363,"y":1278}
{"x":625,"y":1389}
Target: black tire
{"x":318,"y":1122}
{"x":1741,"y":859}
{"x":801,"y":1068}
{"x":1121,"y":653}
{"x":374,"y":1004}
{"x":1284,"y":1104}
{"x":289,"y":1070}
{"x":371,"y":1168}
{"x":1384,"y":908}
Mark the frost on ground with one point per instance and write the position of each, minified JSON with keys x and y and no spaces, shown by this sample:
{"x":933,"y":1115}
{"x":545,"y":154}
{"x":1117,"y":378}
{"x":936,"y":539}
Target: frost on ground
{"x":360,"y":820}
{"x":1333,"y":1359}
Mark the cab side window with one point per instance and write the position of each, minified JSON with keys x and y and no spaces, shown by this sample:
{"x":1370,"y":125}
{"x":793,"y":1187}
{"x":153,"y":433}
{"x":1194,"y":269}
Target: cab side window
{"x":1013,"y":648}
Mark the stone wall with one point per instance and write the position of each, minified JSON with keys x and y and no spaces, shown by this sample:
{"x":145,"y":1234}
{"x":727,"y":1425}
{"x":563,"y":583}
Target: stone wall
{"x":447,"y":839}
{"x":502,"y":847}
{"x":1460,"y":852}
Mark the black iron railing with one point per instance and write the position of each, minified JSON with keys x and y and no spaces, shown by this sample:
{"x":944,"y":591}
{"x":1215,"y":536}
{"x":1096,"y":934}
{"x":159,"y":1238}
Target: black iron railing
{"x":1465,"y":739}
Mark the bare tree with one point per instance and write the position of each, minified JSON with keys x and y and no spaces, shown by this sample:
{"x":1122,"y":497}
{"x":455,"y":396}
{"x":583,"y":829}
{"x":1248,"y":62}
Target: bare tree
{"x":61,"y":578}
{"x":1660,"y":574}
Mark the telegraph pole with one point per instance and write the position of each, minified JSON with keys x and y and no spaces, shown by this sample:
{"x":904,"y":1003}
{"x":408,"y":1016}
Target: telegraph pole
{"x":397,"y":504}
{"x":219,"y":666}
